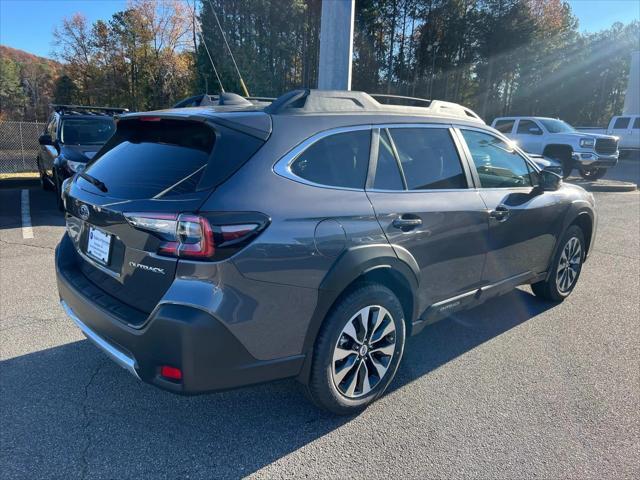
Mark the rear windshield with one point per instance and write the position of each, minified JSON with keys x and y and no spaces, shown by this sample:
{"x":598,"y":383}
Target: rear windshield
{"x":87,"y":131}
{"x":156,"y":158}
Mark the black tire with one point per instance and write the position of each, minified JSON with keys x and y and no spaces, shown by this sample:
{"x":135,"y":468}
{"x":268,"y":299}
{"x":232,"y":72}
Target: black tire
{"x":322,"y":388}
{"x":45,"y":184}
{"x":564,"y":157}
{"x":549,"y":289}
{"x":592,"y":174}
{"x":58,"y":191}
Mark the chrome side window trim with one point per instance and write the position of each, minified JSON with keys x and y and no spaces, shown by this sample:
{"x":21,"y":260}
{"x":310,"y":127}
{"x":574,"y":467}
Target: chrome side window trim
{"x":283,"y":166}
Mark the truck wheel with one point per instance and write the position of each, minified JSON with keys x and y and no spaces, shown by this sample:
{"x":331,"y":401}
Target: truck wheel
{"x":564,"y":157}
{"x":592,"y":174}
{"x":58,"y":191}
{"x":44,"y":180}
{"x":357,"y":351}
{"x":565,"y":268}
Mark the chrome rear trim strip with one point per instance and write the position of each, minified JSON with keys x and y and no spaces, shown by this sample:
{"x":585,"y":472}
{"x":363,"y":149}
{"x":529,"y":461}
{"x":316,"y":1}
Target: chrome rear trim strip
{"x":124,"y":360}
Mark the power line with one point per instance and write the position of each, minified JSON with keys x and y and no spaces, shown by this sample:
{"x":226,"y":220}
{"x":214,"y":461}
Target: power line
{"x":204,"y":42}
{"x":224,"y":37}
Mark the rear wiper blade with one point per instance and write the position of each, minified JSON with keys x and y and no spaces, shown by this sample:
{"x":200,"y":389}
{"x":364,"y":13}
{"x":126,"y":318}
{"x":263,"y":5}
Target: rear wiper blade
{"x":94,"y":181}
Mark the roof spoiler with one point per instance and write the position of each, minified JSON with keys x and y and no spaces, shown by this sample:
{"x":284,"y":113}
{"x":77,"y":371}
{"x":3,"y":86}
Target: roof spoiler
{"x":60,"y":108}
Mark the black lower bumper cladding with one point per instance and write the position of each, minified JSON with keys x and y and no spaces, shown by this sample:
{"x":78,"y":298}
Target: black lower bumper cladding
{"x":180,"y":336}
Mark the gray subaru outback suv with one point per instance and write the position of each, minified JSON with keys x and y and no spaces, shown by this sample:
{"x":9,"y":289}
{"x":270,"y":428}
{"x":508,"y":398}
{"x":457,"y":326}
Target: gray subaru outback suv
{"x":212,"y":247}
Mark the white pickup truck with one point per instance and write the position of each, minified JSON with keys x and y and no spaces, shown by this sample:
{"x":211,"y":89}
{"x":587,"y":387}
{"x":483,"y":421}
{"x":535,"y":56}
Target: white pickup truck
{"x":590,"y":153}
{"x":625,"y":127}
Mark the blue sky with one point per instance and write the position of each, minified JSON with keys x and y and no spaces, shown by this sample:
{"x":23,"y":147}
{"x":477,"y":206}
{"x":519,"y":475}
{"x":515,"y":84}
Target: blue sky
{"x":28,"y":24}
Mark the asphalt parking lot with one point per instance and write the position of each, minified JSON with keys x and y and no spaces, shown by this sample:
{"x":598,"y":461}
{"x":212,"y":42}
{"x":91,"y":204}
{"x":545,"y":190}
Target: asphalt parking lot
{"x":517,"y":388}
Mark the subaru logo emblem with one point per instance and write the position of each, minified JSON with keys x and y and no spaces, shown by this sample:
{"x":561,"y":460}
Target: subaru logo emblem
{"x":84,"y":212}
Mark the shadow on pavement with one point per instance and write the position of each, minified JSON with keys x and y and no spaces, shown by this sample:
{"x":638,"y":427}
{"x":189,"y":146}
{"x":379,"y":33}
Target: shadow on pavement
{"x":69,"y":411}
{"x":42,"y":208}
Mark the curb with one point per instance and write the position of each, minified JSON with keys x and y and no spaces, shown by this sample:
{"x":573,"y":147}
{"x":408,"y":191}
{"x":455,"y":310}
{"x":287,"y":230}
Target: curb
{"x":608,"y":186}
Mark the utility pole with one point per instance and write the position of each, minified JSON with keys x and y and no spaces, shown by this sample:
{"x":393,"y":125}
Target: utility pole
{"x":632,"y":97}
{"x":336,"y":44}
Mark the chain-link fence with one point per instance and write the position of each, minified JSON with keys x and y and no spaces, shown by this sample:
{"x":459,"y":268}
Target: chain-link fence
{"x":19,"y":146}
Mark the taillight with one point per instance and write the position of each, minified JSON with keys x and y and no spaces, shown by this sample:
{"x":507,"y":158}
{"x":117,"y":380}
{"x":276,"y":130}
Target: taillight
{"x":192,"y":237}
{"x":196,"y":236}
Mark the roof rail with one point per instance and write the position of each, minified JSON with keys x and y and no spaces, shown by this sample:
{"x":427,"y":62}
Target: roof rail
{"x":335,"y":101}
{"x":318,"y":101}
{"x":60,"y":108}
{"x":388,"y":98}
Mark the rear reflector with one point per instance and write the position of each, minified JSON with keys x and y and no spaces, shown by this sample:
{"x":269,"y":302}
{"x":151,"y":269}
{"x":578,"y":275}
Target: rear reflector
{"x":172,"y":373}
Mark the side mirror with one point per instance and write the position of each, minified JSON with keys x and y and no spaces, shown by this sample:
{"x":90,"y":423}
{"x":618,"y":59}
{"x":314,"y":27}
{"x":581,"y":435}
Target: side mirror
{"x":45,"y":139}
{"x":549,"y":181}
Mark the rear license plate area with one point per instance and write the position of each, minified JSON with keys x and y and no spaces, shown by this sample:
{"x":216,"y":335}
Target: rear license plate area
{"x":99,"y":245}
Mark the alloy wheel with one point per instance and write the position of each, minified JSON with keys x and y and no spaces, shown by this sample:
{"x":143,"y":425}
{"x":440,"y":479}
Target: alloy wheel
{"x":364,"y":351}
{"x":569,"y":265}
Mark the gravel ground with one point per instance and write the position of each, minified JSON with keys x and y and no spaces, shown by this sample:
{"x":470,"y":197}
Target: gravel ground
{"x":517,"y":388}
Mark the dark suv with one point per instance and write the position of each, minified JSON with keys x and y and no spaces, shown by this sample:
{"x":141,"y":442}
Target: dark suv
{"x":214,"y":247}
{"x":72,"y":136}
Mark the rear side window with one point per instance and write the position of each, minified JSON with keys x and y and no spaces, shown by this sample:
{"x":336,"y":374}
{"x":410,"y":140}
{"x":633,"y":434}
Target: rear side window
{"x":428,"y":158}
{"x":339,"y":160}
{"x":154,"y":158}
{"x":636,"y":123}
{"x":621,"y":123}
{"x":504,"y":126}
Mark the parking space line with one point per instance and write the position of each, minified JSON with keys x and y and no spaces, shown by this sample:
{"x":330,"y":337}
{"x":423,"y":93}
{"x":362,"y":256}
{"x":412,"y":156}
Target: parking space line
{"x":27,"y":230}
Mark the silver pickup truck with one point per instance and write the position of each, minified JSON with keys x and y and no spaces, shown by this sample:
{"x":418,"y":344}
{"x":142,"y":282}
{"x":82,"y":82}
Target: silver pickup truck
{"x":626,"y":128}
{"x":592,"y":154}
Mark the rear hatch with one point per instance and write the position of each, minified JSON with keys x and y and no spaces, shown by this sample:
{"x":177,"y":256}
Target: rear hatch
{"x":154,"y":172}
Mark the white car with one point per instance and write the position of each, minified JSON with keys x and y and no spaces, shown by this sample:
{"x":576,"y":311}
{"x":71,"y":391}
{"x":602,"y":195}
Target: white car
{"x":625,"y":127}
{"x":590,"y":153}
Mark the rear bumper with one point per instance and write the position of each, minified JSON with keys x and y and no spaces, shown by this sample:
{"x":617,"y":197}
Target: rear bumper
{"x":210,"y":357}
{"x":124,"y":359}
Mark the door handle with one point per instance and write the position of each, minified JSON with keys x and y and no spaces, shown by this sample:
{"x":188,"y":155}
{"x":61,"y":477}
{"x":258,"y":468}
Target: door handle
{"x":406,"y":223}
{"x":501,"y":213}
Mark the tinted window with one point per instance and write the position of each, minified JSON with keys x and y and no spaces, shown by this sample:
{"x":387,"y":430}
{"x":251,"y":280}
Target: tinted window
{"x":504,"y":126}
{"x":636,"y":123}
{"x":428,"y":158}
{"x":145,"y":159}
{"x":387,"y":172}
{"x":556,"y":126}
{"x":339,"y":160}
{"x":621,"y":123}
{"x":528,"y":127}
{"x":498,"y":165}
{"x":87,"y":131}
